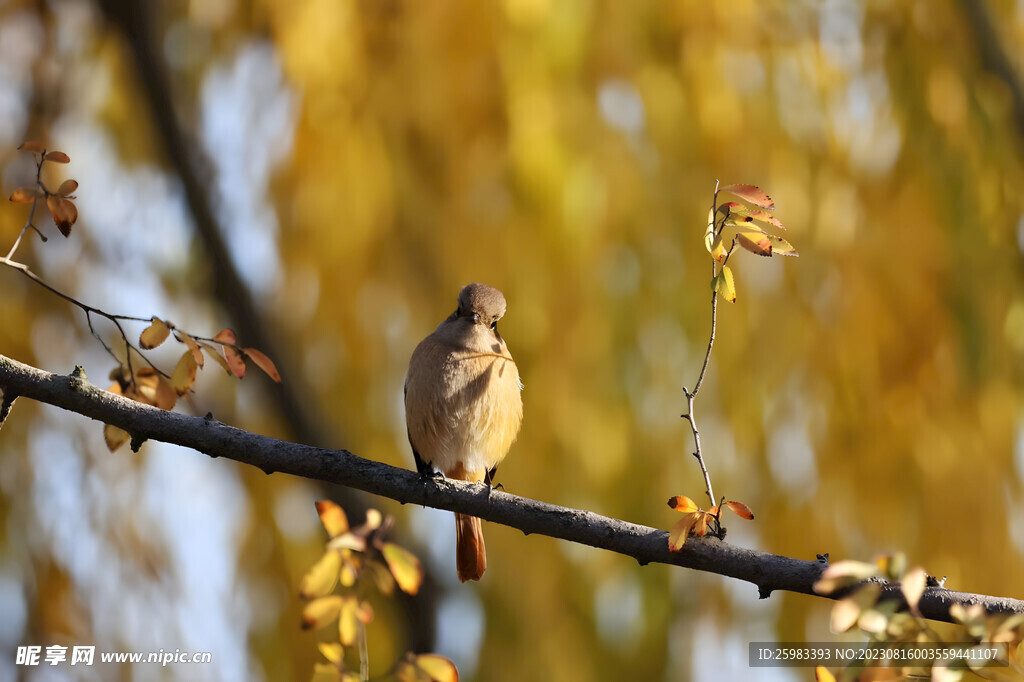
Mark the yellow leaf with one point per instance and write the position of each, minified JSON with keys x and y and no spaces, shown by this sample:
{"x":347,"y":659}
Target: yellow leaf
{"x":325,"y":672}
{"x":404,"y":565}
{"x":724,"y":284}
{"x":755,"y":242}
{"x":155,"y":334}
{"x":842,"y":574}
{"x":197,"y":352}
{"x":184,"y":374}
{"x":822,"y":674}
{"x":348,"y":621}
{"x":320,"y":612}
{"x":114,"y":436}
{"x":845,"y":613}
{"x":437,"y":668}
{"x":332,"y":651}
{"x":681,"y":531}
{"x":263,"y":362}
{"x":333,"y":517}
{"x":912,"y":586}
{"x":320,"y":580}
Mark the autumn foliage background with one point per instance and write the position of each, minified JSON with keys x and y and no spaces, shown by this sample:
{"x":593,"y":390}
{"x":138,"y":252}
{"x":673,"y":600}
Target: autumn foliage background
{"x":366,"y":159}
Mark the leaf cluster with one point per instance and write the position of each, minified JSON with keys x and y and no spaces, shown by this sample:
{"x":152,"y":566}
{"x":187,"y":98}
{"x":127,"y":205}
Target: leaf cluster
{"x":353,"y":559}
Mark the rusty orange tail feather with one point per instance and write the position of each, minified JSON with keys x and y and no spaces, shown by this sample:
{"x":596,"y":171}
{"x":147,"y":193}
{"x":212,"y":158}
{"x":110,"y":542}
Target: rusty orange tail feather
{"x":470,"y":554}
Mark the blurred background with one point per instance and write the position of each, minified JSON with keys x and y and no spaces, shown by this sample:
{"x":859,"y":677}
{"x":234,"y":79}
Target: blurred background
{"x":324,"y":175}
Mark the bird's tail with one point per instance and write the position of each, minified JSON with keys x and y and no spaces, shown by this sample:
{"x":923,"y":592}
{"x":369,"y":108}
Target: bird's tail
{"x":470,"y":554}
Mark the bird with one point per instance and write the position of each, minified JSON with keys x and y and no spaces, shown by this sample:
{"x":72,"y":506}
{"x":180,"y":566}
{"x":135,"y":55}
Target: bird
{"x":463,"y":406}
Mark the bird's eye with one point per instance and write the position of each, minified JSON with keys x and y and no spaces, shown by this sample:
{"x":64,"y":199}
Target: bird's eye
{"x":494,"y":325}
{"x":476,"y":317}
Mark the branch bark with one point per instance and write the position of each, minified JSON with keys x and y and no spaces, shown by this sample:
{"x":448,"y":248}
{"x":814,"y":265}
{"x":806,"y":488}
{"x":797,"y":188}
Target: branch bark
{"x":769,"y":572}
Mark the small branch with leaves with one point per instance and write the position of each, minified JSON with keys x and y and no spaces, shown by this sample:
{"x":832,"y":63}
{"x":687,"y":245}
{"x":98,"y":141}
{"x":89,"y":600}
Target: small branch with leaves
{"x":147,"y":384}
{"x":733,"y":223}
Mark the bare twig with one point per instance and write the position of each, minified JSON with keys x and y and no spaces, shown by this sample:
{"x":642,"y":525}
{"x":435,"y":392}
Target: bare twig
{"x":769,"y":572}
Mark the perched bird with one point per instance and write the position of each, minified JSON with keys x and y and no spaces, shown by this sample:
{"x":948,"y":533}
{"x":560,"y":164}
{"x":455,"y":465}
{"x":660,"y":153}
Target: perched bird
{"x":463,"y":406}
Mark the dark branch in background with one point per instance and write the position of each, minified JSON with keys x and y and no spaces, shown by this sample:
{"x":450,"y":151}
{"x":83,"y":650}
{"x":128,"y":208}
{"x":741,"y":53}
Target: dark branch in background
{"x":134,"y":19}
{"x":994,"y":58}
{"x":769,"y":572}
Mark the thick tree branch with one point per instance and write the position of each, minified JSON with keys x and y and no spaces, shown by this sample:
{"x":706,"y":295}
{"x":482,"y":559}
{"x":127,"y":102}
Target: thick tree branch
{"x":769,"y":572}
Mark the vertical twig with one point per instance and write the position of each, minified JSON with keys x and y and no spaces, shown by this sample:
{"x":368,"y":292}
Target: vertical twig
{"x":691,"y":395}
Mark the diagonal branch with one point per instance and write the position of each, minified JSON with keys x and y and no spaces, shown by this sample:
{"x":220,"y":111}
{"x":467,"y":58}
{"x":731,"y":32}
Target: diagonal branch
{"x":646,"y":545}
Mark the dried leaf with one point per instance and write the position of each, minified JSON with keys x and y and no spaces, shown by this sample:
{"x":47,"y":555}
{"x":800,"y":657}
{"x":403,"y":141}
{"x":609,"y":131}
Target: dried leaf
{"x":320,"y":612}
{"x":57,"y":157}
{"x":741,"y":510}
{"x":263,"y":362}
{"x":405,"y":566}
{"x":67,"y":187}
{"x":114,"y":436}
{"x":751,"y":193}
{"x":234,"y":359}
{"x":154,"y":389}
{"x":23,"y":195}
{"x":32,"y":146}
{"x":64,"y":213}
{"x":321,"y":578}
{"x":844,"y":615}
{"x":197,"y":352}
{"x":214,"y":352}
{"x":184,"y":374}
{"x":781,"y":247}
{"x":155,"y":334}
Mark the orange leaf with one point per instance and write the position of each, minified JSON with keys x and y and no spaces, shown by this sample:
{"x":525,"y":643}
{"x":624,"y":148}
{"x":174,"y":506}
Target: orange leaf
{"x":23,"y":195}
{"x":333,"y":517}
{"x":57,"y":157}
{"x":32,"y":146}
{"x":700,"y":528}
{"x":214,"y":352}
{"x":67,"y":187}
{"x":751,"y":193}
{"x":155,"y":334}
{"x":263,"y":362}
{"x":184,"y":374}
{"x":235,"y":361}
{"x":741,"y":510}
{"x":114,"y":436}
{"x":682,"y":503}
{"x":404,"y":565}
{"x":197,"y":352}
{"x":755,"y":243}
